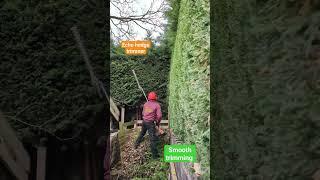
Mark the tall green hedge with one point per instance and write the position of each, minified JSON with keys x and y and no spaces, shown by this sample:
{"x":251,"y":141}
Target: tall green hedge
{"x":189,"y":79}
{"x":44,"y":80}
{"x":152,"y":72}
{"x":266,"y":89}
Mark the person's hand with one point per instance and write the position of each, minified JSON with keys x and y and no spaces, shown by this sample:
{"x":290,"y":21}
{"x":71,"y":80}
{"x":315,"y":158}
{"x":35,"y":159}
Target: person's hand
{"x":160,"y":131}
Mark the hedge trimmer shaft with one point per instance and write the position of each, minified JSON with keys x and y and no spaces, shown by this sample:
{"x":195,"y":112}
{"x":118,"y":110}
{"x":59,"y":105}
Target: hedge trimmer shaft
{"x":135,"y":76}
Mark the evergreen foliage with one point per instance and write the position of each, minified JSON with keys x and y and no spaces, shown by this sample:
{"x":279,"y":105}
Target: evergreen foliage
{"x":152,"y":72}
{"x":265,"y":68}
{"x":44,"y":80}
{"x":189,"y":78}
{"x":171,"y":29}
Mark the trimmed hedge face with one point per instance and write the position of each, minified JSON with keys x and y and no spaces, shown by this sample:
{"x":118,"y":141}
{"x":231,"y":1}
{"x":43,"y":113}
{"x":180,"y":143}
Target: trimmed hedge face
{"x":189,"y":79}
{"x":266,"y":89}
{"x":152,"y":77}
{"x":152,"y":72}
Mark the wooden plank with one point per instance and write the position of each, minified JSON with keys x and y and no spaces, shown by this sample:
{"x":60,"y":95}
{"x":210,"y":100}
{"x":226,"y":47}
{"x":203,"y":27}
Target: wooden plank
{"x":13,"y":144}
{"x":162,"y":125}
{"x":316,"y":175}
{"x":121,"y":123}
{"x":17,"y":171}
{"x":162,"y":121}
{"x":114,"y":109}
{"x":114,"y":114}
{"x":197,"y":169}
{"x":114,"y":106}
{"x":135,"y":125}
{"x":122,"y":114}
{"x":41,"y":162}
{"x":129,"y":123}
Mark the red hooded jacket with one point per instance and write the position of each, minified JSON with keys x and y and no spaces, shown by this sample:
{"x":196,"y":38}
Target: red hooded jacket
{"x":152,"y":111}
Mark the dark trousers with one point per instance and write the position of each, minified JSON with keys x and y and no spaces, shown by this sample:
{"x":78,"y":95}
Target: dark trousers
{"x":151,"y":128}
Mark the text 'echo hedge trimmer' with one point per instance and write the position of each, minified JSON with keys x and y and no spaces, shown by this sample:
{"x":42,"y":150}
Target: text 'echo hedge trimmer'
{"x":135,"y":76}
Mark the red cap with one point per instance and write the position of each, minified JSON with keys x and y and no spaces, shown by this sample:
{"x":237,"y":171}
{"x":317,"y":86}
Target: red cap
{"x":152,"y":96}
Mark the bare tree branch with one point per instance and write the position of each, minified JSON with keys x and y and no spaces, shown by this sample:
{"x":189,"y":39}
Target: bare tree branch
{"x":124,"y":19}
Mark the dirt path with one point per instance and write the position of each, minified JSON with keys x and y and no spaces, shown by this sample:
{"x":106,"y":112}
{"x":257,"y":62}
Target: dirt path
{"x":137,"y":163}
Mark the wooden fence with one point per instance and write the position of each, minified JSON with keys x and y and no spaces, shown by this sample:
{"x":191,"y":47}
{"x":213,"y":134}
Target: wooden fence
{"x":114,"y":109}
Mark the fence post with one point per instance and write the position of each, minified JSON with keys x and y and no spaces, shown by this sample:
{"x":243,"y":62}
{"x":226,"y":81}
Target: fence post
{"x":122,"y":117}
{"x":135,"y":124}
{"x":122,"y":114}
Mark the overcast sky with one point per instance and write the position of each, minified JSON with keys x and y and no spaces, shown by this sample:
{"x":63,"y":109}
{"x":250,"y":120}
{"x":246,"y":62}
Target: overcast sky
{"x":139,"y":7}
